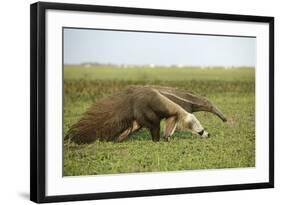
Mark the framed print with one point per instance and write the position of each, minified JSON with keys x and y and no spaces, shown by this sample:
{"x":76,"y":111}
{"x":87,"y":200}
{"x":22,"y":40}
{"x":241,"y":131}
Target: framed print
{"x":129,"y":102}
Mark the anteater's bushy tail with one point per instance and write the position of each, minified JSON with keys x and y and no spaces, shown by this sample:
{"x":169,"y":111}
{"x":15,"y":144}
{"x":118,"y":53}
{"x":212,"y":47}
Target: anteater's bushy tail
{"x":105,"y":120}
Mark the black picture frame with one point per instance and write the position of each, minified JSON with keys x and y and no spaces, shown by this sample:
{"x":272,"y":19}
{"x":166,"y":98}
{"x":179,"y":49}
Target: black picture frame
{"x":38,"y":100}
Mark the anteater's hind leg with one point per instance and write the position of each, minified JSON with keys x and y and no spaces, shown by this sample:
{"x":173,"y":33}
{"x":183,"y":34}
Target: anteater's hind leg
{"x":125,"y":134}
{"x":170,"y":127}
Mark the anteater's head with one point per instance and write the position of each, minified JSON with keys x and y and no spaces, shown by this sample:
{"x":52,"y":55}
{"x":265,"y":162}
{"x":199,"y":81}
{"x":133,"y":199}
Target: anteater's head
{"x":193,"y":124}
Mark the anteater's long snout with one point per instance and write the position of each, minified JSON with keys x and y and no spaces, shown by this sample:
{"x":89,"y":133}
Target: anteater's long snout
{"x":217,"y":112}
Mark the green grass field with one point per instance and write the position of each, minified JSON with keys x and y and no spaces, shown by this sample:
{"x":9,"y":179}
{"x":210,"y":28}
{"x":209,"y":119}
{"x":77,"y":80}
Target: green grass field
{"x":231,"y":144}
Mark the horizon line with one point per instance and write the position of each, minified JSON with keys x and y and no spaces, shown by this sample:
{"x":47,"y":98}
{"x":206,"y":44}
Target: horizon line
{"x":151,"y":65}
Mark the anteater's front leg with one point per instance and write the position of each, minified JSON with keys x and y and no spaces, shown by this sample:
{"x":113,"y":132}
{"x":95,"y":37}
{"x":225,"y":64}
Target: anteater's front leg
{"x":150,"y":120}
{"x":155,"y":133}
{"x":170,"y":127}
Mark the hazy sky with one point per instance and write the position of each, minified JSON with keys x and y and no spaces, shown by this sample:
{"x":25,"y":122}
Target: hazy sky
{"x":119,"y":47}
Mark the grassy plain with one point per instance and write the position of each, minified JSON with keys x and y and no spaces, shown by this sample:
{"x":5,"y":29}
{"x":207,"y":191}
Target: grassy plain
{"x":231,"y":144}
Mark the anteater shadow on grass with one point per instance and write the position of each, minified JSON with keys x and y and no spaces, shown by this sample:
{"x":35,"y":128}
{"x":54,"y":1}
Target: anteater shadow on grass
{"x":144,"y":135}
{"x":116,"y":117}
